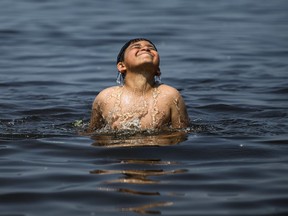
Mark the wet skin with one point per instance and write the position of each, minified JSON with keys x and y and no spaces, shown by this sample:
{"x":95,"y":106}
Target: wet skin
{"x":118,"y":108}
{"x":140,"y":103}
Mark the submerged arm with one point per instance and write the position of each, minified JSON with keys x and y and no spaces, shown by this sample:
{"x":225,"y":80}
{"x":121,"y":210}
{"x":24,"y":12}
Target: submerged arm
{"x":96,"y":120}
{"x":179,"y":115}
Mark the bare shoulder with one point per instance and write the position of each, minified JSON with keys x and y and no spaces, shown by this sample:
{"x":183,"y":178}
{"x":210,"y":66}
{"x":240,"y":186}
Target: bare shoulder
{"x":174,"y":100}
{"x":169,"y":90}
{"x":104,"y":94}
{"x":169,"y":95}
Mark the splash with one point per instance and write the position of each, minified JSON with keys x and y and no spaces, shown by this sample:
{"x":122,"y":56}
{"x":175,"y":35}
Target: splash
{"x":155,"y":108}
{"x":130,"y":118}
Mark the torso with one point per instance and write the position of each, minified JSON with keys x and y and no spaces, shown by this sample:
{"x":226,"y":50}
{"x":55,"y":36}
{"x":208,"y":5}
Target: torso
{"x":125,"y":110}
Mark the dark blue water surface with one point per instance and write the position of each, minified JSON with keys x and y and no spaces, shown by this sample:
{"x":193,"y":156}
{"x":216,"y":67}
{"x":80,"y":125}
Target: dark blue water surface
{"x":229,"y":60}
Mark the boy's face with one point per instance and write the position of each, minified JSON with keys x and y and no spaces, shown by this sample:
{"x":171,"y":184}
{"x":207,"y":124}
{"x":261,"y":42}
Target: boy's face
{"x":141,"y":52}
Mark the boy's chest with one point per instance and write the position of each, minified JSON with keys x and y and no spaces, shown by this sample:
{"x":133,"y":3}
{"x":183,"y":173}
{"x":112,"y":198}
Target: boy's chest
{"x":139,"y":112}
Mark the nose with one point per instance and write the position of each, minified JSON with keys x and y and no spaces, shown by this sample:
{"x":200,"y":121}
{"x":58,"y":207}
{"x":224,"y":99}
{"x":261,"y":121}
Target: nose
{"x":147,"y":48}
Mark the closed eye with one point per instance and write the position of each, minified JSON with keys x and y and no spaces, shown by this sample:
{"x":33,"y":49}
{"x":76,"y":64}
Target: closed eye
{"x":139,"y":46}
{"x":151,"y":47}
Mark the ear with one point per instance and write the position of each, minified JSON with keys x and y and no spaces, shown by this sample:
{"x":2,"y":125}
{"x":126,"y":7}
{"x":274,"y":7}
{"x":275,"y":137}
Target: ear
{"x":158,"y":72}
{"x":121,"y":67}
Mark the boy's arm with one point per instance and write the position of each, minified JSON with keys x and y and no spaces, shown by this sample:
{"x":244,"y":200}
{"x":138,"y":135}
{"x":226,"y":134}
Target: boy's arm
{"x":96,"y":120}
{"x":179,"y":115}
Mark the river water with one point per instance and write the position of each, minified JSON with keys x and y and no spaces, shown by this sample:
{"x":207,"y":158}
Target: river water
{"x":229,"y":60}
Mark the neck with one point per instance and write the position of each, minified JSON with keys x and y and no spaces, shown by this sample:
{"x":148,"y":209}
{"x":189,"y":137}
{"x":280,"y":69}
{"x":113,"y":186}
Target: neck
{"x":139,"y":83}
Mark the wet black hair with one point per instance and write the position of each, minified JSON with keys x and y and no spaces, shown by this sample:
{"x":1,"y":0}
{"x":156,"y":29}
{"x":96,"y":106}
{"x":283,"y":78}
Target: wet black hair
{"x":120,"y":56}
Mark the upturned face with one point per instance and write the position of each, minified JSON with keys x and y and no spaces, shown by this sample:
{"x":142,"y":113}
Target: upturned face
{"x":141,"y":53}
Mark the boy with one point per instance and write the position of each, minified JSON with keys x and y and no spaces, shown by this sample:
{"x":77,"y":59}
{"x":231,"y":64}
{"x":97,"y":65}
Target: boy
{"x":141,"y":103}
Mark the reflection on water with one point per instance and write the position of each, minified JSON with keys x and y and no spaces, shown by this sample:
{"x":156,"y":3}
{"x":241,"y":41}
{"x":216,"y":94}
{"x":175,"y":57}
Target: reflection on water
{"x":141,"y":177}
{"x":126,"y":178}
{"x":136,"y":176}
{"x":146,"y":209}
{"x":133,"y":139}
